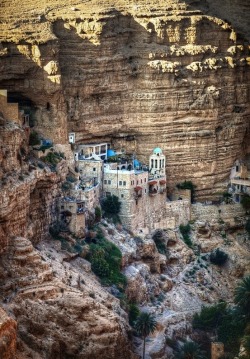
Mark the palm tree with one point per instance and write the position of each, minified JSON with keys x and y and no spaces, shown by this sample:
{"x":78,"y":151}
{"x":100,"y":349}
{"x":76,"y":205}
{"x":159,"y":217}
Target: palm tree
{"x":242,"y":295}
{"x":145,"y":325}
{"x":190,"y":350}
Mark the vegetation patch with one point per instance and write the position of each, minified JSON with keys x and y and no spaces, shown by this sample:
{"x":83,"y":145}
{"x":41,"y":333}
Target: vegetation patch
{"x":185,"y":232}
{"x":218,"y":257}
{"x":230,"y":324}
{"x":111,"y":207}
{"x":159,"y":239}
{"x":105,"y":259}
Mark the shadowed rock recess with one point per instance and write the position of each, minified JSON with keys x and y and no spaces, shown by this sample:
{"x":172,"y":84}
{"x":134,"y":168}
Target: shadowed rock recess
{"x":150,"y":72}
{"x":173,"y":74}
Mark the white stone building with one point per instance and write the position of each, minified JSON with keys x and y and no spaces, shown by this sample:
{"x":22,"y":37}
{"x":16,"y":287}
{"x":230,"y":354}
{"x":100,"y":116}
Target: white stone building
{"x":142,"y":193}
{"x":239,"y":181}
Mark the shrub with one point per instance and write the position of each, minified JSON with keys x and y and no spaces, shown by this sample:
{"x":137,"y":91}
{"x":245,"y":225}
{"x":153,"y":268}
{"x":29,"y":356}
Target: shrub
{"x":218,"y":257}
{"x":66,"y":186}
{"x":34,"y":139}
{"x":111,"y":205}
{"x":209,"y":317}
{"x":105,"y":259}
{"x":71,"y":179}
{"x":98,"y":214}
{"x":245,"y":202}
{"x":133,"y":313}
{"x":51,"y":158}
{"x":159,"y":239}
{"x":227,"y":196}
{"x":185,"y":232}
{"x":40,"y":165}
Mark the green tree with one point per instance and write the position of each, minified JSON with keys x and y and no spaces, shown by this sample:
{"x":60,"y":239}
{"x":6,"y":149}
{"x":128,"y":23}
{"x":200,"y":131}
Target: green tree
{"x":218,"y":257}
{"x":190,"y":350}
{"x":242,"y":296}
{"x":245,"y":202}
{"x":210,"y":317}
{"x":111,"y":205}
{"x":145,"y":325}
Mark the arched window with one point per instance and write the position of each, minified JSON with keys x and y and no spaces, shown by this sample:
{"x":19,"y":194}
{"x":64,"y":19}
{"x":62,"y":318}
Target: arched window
{"x":152,"y":163}
{"x":156,"y":164}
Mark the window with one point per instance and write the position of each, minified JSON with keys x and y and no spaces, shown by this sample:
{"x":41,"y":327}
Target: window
{"x":124,"y":183}
{"x":137,"y":182}
{"x":152,"y":163}
{"x":141,"y":180}
{"x":131,"y":183}
{"x":145,"y":180}
{"x":145,"y":190}
{"x":160,"y":163}
{"x":109,"y":181}
{"x":62,"y":207}
{"x":105,"y":181}
{"x":94,"y":169}
{"x":120,"y":183}
{"x":156,"y":164}
{"x":237,"y":168}
{"x":122,"y":195}
{"x":108,"y":194}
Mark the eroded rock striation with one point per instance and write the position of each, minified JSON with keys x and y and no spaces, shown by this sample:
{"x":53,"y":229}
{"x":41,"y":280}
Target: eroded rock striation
{"x":136,"y":75}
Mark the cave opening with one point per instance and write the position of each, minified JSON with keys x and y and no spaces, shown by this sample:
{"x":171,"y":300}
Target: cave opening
{"x":25,"y":104}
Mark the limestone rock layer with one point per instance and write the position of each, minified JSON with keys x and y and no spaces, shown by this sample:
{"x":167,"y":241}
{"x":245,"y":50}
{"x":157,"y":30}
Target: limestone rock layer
{"x":138,"y":74}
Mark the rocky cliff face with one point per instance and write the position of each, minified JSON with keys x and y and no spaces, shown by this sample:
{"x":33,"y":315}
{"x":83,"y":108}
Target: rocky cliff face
{"x":139,"y":75}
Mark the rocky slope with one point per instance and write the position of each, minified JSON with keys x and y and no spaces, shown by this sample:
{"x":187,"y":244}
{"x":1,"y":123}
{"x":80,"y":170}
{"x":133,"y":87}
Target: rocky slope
{"x":82,"y":319}
{"x":138,"y":75}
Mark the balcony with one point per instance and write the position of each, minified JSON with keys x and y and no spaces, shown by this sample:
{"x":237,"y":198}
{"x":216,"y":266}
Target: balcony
{"x":138,"y":192}
{"x":152,"y":192}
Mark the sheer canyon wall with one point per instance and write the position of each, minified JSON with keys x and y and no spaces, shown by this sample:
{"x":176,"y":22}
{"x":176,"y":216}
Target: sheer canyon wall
{"x":137,"y":74}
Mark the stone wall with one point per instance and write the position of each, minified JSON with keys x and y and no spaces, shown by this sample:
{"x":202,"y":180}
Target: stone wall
{"x":177,"y":212}
{"x":9,"y":110}
{"x":229,"y":213}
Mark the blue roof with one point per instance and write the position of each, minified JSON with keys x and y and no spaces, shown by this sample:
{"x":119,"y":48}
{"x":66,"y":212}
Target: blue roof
{"x":136,"y":163}
{"x":111,"y":152}
{"x":157,"y":150}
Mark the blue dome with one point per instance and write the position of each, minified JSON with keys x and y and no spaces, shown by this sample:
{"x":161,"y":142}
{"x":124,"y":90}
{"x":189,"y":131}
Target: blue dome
{"x":157,"y":150}
{"x":136,"y":163}
{"x":110,"y":152}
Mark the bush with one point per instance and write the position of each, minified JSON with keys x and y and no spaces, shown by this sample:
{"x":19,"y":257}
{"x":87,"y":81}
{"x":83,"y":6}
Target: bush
{"x":71,"y":179}
{"x":210,"y":317}
{"x":133,"y":313}
{"x":98,"y":214}
{"x":34,"y":139}
{"x":245,"y":202}
{"x":51,"y":158}
{"x":218,"y":257}
{"x":159,"y":239}
{"x":185,"y":232}
{"x":105,"y":259}
{"x":111,"y":205}
{"x":66,"y":186}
